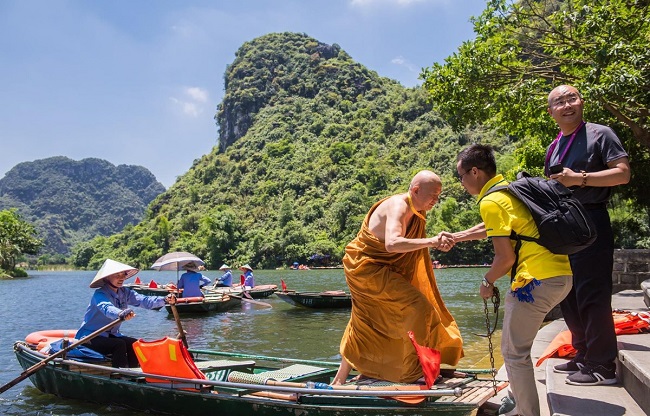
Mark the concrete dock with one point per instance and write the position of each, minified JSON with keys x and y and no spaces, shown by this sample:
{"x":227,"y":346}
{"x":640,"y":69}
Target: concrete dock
{"x":630,"y":396}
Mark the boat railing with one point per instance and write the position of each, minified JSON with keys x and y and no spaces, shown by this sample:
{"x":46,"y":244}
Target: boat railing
{"x":247,"y":388}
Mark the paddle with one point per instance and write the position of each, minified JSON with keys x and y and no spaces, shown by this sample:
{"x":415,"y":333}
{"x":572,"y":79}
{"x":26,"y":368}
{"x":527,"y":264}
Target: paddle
{"x":239,"y":377}
{"x":181,"y":333}
{"x":31,"y":370}
{"x":245,"y":298}
{"x":255,"y":302}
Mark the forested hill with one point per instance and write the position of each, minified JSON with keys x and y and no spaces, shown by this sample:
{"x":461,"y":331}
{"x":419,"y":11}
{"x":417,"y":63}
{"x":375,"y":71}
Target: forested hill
{"x":72,"y":201}
{"x":308,"y":141}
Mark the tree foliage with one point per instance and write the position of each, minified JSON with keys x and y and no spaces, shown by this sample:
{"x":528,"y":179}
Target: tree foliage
{"x":17,"y":237}
{"x":308,"y":141}
{"x":72,"y":201}
{"x":525,"y":48}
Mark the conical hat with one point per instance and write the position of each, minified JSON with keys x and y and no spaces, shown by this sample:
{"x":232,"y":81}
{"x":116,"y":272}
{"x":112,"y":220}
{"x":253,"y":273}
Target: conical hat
{"x":192,"y":266}
{"x":109,"y":268}
{"x":224,"y":267}
{"x":246,"y":267}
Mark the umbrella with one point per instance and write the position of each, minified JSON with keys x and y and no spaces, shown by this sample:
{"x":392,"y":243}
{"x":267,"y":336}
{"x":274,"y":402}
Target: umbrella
{"x":175,"y":261}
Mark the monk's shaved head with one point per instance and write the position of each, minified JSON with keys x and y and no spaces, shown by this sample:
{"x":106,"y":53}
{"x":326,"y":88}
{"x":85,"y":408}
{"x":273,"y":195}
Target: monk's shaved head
{"x":425,"y":177}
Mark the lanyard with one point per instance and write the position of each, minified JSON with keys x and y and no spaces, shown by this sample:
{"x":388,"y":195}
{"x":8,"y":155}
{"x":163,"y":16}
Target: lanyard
{"x":566,"y":149}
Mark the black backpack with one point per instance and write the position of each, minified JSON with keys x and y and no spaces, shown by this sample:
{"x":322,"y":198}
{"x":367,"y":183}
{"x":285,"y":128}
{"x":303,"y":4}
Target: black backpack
{"x":563,"y":223}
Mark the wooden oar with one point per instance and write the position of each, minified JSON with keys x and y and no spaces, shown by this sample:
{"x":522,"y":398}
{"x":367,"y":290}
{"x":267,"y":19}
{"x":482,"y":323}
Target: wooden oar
{"x":31,"y":370}
{"x":181,"y":333}
{"x":255,"y":302}
{"x":324,"y":386}
{"x":243,"y":298}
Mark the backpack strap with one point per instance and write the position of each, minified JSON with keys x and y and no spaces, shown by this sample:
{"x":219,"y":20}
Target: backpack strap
{"x":513,"y":235}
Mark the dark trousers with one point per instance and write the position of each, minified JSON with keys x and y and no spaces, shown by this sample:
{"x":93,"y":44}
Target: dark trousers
{"x":587,"y":309}
{"x":121,"y":349}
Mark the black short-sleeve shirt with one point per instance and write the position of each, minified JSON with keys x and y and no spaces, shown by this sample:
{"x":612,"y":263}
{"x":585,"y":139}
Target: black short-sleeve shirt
{"x":594,"y":146}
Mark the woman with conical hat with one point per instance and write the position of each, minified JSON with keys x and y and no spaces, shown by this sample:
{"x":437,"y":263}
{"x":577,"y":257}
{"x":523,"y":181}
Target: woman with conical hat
{"x":226,"y":278}
{"x":192,"y":281}
{"x":110,"y":301}
{"x":248,"y":278}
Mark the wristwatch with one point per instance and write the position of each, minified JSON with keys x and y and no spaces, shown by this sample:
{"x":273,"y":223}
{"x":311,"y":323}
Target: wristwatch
{"x":485,"y":282}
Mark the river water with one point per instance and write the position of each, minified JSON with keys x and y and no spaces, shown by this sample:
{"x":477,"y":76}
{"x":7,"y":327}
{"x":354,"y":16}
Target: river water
{"x":58,"y":300}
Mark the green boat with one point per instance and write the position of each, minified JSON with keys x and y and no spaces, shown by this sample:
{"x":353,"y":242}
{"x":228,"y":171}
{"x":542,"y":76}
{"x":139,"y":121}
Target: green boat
{"x":204,"y":305}
{"x":293,"y":387}
{"x":317,"y":300}
{"x":258,"y":292}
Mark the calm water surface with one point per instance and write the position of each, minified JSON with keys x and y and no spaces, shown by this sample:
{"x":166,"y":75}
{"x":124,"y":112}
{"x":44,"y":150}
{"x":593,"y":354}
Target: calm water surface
{"x":58,"y":300}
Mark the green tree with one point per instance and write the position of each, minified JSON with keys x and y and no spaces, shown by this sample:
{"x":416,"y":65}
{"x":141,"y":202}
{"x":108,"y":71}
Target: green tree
{"x":525,"y":48}
{"x":16,"y":237}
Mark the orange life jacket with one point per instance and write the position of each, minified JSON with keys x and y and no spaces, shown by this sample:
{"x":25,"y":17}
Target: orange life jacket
{"x":166,"y":357}
{"x":625,"y":323}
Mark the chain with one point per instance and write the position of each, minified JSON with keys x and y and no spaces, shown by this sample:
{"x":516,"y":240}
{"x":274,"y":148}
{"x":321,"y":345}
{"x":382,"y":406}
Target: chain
{"x":496,"y":301}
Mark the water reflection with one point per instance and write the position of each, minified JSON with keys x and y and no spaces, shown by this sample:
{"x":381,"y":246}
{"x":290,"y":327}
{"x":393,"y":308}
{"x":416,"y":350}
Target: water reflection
{"x":283,"y":330}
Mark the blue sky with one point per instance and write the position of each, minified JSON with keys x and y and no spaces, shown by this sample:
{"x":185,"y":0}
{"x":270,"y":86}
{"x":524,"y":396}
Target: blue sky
{"x":138,"y":81}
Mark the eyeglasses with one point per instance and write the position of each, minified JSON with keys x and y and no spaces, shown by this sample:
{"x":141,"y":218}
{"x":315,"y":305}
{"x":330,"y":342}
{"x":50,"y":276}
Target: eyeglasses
{"x":569,"y":99}
{"x":460,"y":178}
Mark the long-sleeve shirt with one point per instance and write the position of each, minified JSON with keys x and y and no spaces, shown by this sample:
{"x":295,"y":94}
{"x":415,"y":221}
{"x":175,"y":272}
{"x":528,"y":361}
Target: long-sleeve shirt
{"x":225,"y":279}
{"x":249,"y":279}
{"x":105,"y":306}
{"x":191,"y":283}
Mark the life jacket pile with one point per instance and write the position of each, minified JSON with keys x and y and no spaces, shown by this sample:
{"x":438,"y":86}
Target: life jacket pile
{"x":625,"y":323}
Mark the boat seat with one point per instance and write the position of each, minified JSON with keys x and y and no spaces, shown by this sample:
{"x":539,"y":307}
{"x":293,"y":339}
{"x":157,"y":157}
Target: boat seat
{"x":212,"y":365}
{"x":219,"y":370}
{"x":295,"y":372}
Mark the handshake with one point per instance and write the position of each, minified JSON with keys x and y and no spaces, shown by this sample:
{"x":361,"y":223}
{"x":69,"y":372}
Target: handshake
{"x":444,"y":241}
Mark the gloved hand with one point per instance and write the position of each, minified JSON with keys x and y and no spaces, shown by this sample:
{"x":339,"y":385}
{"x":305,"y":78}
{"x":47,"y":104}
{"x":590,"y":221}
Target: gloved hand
{"x":126,"y":314}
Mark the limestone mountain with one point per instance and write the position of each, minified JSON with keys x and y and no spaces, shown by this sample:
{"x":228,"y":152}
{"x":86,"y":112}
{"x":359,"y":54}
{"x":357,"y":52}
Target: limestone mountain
{"x":308,"y":140}
{"x":73,"y":201}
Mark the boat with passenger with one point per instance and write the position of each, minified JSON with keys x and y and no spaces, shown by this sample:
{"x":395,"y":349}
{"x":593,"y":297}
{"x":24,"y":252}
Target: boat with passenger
{"x":174,"y":380}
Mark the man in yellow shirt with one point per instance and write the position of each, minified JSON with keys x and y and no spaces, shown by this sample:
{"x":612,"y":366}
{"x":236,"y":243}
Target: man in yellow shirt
{"x":542,"y":278}
{"x":389,"y":272}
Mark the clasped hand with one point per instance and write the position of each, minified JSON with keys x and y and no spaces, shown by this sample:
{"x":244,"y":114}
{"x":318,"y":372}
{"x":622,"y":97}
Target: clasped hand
{"x":445,"y":241}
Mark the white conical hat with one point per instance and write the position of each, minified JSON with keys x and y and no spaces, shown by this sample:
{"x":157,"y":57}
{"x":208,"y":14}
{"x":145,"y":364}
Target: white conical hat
{"x":246,"y":267}
{"x":224,"y":267}
{"x":109,"y":268}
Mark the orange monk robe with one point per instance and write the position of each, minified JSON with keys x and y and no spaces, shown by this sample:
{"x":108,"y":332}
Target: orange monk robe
{"x":393,"y":293}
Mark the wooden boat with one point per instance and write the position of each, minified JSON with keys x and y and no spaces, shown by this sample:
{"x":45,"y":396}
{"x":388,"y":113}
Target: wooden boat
{"x":143,"y":289}
{"x":206,"y":304}
{"x":320,"y":300}
{"x":257,"y":292}
{"x":242,"y":384}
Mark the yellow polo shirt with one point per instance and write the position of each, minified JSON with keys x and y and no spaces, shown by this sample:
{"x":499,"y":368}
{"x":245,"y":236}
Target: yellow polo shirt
{"x":502,"y":212}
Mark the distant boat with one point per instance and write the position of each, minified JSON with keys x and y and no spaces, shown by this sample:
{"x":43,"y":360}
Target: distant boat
{"x":317,"y":300}
{"x":144,"y":289}
{"x":206,"y":304}
{"x":257,"y":292}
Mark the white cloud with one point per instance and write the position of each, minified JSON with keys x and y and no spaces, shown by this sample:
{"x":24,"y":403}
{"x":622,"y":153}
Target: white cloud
{"x":186,"y":107}
{"x":192,"y":103}
{"x":401,"y":61}
{"x":197,"y":94}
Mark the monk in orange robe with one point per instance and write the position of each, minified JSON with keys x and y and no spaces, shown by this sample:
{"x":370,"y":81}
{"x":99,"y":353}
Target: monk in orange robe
{"x":389,"y":272}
